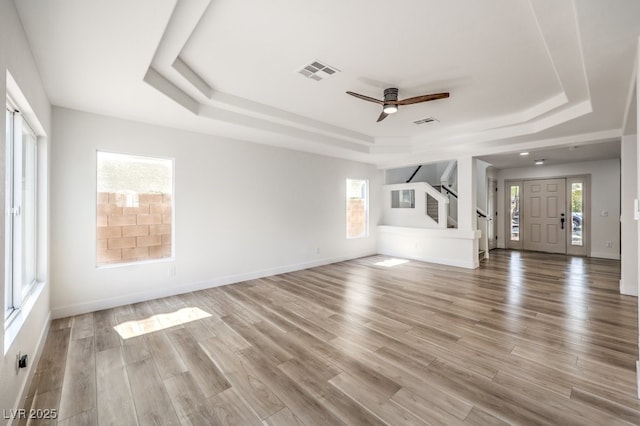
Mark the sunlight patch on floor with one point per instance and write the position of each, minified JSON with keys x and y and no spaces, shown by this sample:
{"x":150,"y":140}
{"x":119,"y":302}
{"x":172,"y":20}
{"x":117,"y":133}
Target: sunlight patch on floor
{"x":158,"y":322}
{"x":389,"y":263}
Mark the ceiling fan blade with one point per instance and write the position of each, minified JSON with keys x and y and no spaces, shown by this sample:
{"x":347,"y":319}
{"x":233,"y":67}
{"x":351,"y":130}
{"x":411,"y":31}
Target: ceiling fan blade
{"x":366,"y":98}
{"x":423,"y":98}
{"x":383,"y":115}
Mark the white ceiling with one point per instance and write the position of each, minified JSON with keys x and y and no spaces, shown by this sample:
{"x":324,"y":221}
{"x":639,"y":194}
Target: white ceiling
{"x":523,"y":74}
{"x":554,"y":155}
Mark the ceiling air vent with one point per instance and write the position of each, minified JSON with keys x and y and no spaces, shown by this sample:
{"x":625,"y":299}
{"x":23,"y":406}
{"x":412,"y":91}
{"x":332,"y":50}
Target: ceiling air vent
{"x":424,"y":121}
{"x":318,"y":71}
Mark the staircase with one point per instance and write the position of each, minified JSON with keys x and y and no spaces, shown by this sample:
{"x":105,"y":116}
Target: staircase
{"x":440,"y":202}
{"x":432,"y":207}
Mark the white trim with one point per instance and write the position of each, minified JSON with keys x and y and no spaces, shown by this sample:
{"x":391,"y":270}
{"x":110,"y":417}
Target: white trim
{"x":508,"y":242}
{"x":366,"y":208}
{"x":32,"y":366}
{"x":16,"y":320}
{"x":171,"y":258}
{"x":624,"y":287}
{"x":638,"y":377}
{"x":584,"y":249}
{"x":605,"y":255}
{"x":95,"y":305}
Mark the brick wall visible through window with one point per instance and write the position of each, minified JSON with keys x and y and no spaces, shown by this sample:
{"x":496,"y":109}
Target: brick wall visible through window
{"x":357,"y":208}
{"x":127,"y":234}
{"x":134,"y":209}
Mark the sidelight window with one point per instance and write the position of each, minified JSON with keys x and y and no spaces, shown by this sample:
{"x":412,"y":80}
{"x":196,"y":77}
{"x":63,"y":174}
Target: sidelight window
{"x":514,"y":192}
{"x":577,"y":216}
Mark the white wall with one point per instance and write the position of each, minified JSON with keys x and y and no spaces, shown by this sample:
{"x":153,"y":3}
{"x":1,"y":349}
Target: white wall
{"x":429,"y":173}
{"x":242,"y":210}
{"x":16,"y":57}
{"x":453,"y":247}
{"x":410,"y":217}
{"x":629,"y":239}
{"x":481,"y":184}
{"x":605,"y":196}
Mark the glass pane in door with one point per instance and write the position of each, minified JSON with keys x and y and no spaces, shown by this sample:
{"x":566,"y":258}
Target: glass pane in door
{"x":577,"y":198}
{"x":515,"y":212}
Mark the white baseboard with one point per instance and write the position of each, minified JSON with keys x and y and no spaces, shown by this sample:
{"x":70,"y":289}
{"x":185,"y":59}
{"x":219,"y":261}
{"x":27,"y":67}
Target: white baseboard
{"x":32,"y":365}
{"x":631,"y":290}
{"x":638,"y":377}
{"x":605,"y":255}
{"x":442,"y":261}
{"x":96,"y":305}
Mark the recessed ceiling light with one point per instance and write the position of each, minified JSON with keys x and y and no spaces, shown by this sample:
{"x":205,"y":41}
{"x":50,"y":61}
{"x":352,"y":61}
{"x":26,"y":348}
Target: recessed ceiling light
{"x":539,"y":162}
{"x":524,"y":153}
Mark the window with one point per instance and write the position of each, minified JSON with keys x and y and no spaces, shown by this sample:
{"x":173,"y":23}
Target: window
{"x":577,"y":213}
{"x":514,"y":192}
{"x":578,"y":191}
{"x":403,"y":199}
{"x":134,"y":208}
{"x":357,"y":208}
{"x":22,"y":200}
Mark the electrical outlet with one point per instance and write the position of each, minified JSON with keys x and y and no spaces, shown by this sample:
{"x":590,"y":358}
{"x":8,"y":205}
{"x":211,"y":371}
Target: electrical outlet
{"x":21,"y":361}
{"x":317,"y":250}
{"x":172,"y":271}
{"x":608,"y":244}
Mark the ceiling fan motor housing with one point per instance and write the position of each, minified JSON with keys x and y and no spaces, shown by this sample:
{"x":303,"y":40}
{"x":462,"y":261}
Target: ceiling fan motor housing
{"x":391,"y":94}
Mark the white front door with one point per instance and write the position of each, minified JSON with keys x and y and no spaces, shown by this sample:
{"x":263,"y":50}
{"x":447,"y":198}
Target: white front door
{"x":544,"y":219}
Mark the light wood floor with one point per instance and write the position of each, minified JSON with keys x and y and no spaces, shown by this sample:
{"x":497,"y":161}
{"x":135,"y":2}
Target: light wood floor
{"x":527,"y":338}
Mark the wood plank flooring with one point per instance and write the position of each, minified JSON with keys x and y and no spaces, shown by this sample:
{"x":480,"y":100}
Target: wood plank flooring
{"x":528,"y":338}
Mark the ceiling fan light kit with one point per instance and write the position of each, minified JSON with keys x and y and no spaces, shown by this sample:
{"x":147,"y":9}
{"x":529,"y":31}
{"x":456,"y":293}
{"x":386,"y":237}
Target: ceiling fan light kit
{"x":390,"y":109}
{"x":390,"y":103}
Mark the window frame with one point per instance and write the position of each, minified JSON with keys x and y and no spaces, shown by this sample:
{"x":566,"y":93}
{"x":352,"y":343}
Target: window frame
{"x":20,"y":300}
{"x":399,"y":196}
{"x":585,"y":248}
{"x":365,"y":197}
{"x":169,"y":258}
{"x":17,"y":292}
{"x":509,"y":243}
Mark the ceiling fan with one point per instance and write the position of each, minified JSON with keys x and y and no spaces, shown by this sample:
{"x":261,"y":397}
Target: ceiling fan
{"x":391,"y":103}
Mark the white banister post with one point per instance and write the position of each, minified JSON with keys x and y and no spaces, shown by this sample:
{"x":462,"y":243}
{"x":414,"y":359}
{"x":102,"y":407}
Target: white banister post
{"x":467,"y":220}
{"x":443,"y":213}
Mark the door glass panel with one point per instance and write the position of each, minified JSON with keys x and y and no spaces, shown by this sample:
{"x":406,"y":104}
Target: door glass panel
{"x":577,"y":198}
{"x":515,"y":213}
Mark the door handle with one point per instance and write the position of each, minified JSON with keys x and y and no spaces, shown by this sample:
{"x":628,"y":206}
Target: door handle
{"x":561,"y":220}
